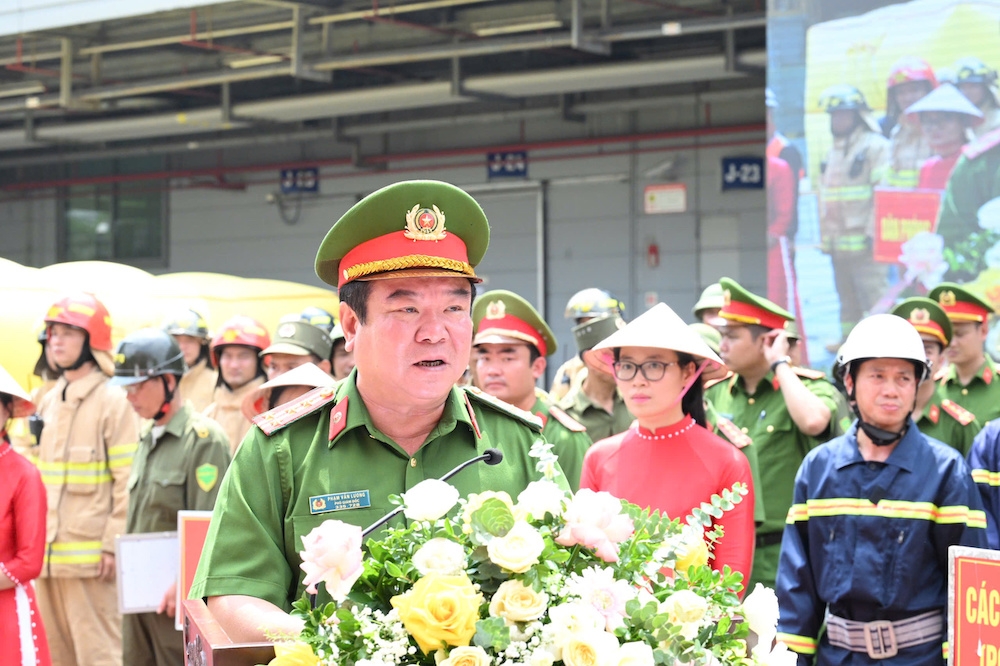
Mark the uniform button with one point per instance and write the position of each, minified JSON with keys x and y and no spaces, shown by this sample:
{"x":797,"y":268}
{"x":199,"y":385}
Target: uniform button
{"x":751,"y":401}
{"x":872,"y":466}
{"x":770,"y":428}
{"x":965,"y":391}
{"x":413,"y":462}
{"x":745,"y":430}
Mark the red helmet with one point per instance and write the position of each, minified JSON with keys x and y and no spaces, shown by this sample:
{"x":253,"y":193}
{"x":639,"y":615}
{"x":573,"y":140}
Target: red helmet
{"x":86,"y":312}
{"x":910,"y":68}
{"x":240,"y":330}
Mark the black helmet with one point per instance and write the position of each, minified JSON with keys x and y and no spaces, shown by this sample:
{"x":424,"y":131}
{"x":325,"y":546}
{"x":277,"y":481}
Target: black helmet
{"x":146,"y":353}
{"x":319,"y":318}
{"x":186,"y":322}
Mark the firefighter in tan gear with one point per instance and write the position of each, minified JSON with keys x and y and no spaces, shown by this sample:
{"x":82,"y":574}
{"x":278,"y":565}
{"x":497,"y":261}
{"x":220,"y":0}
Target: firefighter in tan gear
{"x":849,"y":172}
{"x":978,"y":82}
{"x":191,"y":333}
{"x":583,"y":306}
{"x":85,"y":457}
{"x":910,"y":80}
{"x":234,"y":350}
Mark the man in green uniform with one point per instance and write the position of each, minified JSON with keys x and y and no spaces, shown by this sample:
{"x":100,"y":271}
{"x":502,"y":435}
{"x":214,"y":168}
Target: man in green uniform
{"x":974,"y":181}
{"x":181,"y":458}
{"x":784,"y":410}
{"x":512,"y":343}
{"x":971,"y":378}
{"x":937,"y":416}
{"x":593,"y":399}
{"x":296,"y":343}
{"x":706,"y":310}
{"x":406,"y":277}
{"x":582,"y":306}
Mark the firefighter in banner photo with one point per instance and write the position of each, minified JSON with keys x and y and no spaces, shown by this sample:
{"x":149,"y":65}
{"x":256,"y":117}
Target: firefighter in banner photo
{"x":85,"y":457}
{"x":978,"y":82}
{"x":865,"y":550}
{"x":910,"y":80}
{"x":854,"y":165}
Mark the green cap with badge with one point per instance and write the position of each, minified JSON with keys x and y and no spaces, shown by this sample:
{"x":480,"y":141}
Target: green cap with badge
{"x":960,"y":303}
{"x":927,"y":317}
{"x":299,"y":338}
{"x":413,"y":228}
{"x":501,"y":316}
{"x":740,"y":306}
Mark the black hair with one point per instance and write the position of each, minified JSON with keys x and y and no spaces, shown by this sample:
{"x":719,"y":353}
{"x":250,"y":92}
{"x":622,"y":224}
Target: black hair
{"x":756,"y":330}
{"x":693,"y":401}
{"x":355,"y":295}
{"x":533,"y":353}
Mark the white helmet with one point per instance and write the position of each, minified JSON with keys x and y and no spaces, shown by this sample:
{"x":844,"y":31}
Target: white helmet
{"x":883,"y":336}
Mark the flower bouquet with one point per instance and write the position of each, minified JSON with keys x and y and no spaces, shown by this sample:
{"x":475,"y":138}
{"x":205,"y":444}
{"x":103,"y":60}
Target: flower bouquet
{"x":586,"y":580}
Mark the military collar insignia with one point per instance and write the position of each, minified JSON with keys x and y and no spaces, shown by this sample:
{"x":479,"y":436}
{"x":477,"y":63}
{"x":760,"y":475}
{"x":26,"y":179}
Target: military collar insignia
{"x":920,"y":316}
{"x":425,"y":223}
{"x":947,"y":299}
{"x":496,"y":310}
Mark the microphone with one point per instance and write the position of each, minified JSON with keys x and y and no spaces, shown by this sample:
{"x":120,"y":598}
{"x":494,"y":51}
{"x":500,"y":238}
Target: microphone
{"x":489,"y":456}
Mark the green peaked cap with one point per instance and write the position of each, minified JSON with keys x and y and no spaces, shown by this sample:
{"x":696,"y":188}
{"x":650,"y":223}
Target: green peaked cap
{"x":415,"y":227}
{"x":502,"y":316}
{"x":927,"y":317}
{"x":743,"y":307}
{"x":960,"y":303}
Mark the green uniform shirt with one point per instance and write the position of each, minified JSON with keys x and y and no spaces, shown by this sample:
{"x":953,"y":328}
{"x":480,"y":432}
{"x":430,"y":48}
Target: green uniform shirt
{"x":937,"y":422}
{"x":265,"y":504}
{"x":182,"y":470}
{"x":569,"y":444}
{"x":599,"y":423}
{"x":981,"y":395}
{"x":972,"y":183}
{"x":780,"y":445}
{"x":748,"y":449}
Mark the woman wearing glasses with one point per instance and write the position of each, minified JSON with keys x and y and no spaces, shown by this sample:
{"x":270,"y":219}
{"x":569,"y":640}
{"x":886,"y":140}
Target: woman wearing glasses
{"x":667,"y":460}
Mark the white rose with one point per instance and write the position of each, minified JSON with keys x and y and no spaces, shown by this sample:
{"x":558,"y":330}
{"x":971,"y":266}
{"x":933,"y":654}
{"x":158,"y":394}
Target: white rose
{"x":440,"y":556}
{"x":466,"y":656}
{"x":565,"y":620}
{"x":541,"y":657}
{"x":760,"y":610}
{"x":518,"y":550}
{"x":635,"y":654}
{"x":539,"y":498}
{"x":594,"y":648}
{"x":429,"y":500}
{"x":687,"y":610}
{"x":515,"y":602}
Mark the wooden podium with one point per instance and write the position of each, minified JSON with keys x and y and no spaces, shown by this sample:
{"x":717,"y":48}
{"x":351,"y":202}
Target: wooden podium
{"x":207,"y":644}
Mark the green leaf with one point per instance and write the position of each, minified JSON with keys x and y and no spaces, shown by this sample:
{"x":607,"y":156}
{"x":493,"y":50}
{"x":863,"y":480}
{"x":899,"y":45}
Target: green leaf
{"x":393,"y":569}
{"x":494,"y":517}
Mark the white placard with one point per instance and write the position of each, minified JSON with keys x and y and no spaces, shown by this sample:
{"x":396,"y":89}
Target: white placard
{"x":665,"y":198}
{"x":146,"y":566}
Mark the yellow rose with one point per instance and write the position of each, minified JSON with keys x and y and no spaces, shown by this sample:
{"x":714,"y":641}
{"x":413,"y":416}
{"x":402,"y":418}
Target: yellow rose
{"x":591,"y":649}
{"x":518,"y":550}
{"x":440,"y":610}
{"x":695,"y":555}
{"x":635,"y":654}
{"x":515,"y":602}
{"x":467,"y":656}
{"x":293,"y":654}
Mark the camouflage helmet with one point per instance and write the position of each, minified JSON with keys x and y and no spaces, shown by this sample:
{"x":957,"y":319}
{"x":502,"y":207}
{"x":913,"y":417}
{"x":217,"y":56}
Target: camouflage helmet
{"x":593,"y":302}
{"x":186,"y":322}
{"x":146,"y":353}
{"x":843,"y":97}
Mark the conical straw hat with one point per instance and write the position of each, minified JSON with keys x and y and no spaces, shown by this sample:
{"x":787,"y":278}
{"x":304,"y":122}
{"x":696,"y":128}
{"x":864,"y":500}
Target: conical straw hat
{"x":661,"y":328}
{"x":22,"y":401}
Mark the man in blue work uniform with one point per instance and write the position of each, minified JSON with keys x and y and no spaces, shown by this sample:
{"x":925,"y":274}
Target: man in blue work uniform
{"x":874,"y":512}
{"x":984,"y":461}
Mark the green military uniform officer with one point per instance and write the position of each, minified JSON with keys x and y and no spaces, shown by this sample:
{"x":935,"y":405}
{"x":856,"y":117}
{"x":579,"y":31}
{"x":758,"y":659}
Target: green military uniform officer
{"x":404,"y":260}
{"x":593,"y":399}
{"x":974,"y":181}
{"x":178,"y":465}
{"x":971,"y":377}
{"x":935,"y":415}
{"x":512,"y":343}
{"x":784,"y":410}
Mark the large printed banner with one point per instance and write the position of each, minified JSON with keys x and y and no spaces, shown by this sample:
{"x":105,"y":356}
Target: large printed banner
{"x":883,"y":170}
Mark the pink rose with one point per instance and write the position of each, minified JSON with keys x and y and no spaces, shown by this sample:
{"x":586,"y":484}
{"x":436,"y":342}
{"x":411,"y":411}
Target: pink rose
{"x":595,"y":520}
{"x":333,"y":556}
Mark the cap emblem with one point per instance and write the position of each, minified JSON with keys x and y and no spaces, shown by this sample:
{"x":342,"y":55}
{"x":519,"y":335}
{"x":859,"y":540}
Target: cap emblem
{"x":286,"y":331}
{"x":920,"y":316}
{"x":425,"y":224}
{"x":727,"y":297}
{"x":496,"y":310}
{"x":230,"y":334}
{"x":120,"y":358}
{"x":947,"y":299}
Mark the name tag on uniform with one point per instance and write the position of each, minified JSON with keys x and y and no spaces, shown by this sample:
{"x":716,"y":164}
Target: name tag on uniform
{"x":355,"y":499}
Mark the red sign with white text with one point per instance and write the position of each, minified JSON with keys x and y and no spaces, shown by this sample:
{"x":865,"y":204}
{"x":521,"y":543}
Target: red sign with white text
{"x":899,"y":216}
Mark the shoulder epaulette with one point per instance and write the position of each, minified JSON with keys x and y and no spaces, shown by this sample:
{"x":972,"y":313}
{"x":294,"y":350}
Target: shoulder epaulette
{"x":982,"y":144}
{"x":957,"y":412}
{"x":506,"y":408}
{"x":709,"y":384}
{"x":940,"y":374}
{"x":566,"y":419}
{"x":282,"y":415}
{"x":732,"y":432}
{"x":808,"y":373}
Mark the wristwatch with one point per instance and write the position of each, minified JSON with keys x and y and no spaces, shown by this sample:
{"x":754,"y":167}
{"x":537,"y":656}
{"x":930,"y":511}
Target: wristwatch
{"x":783,"y":359}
